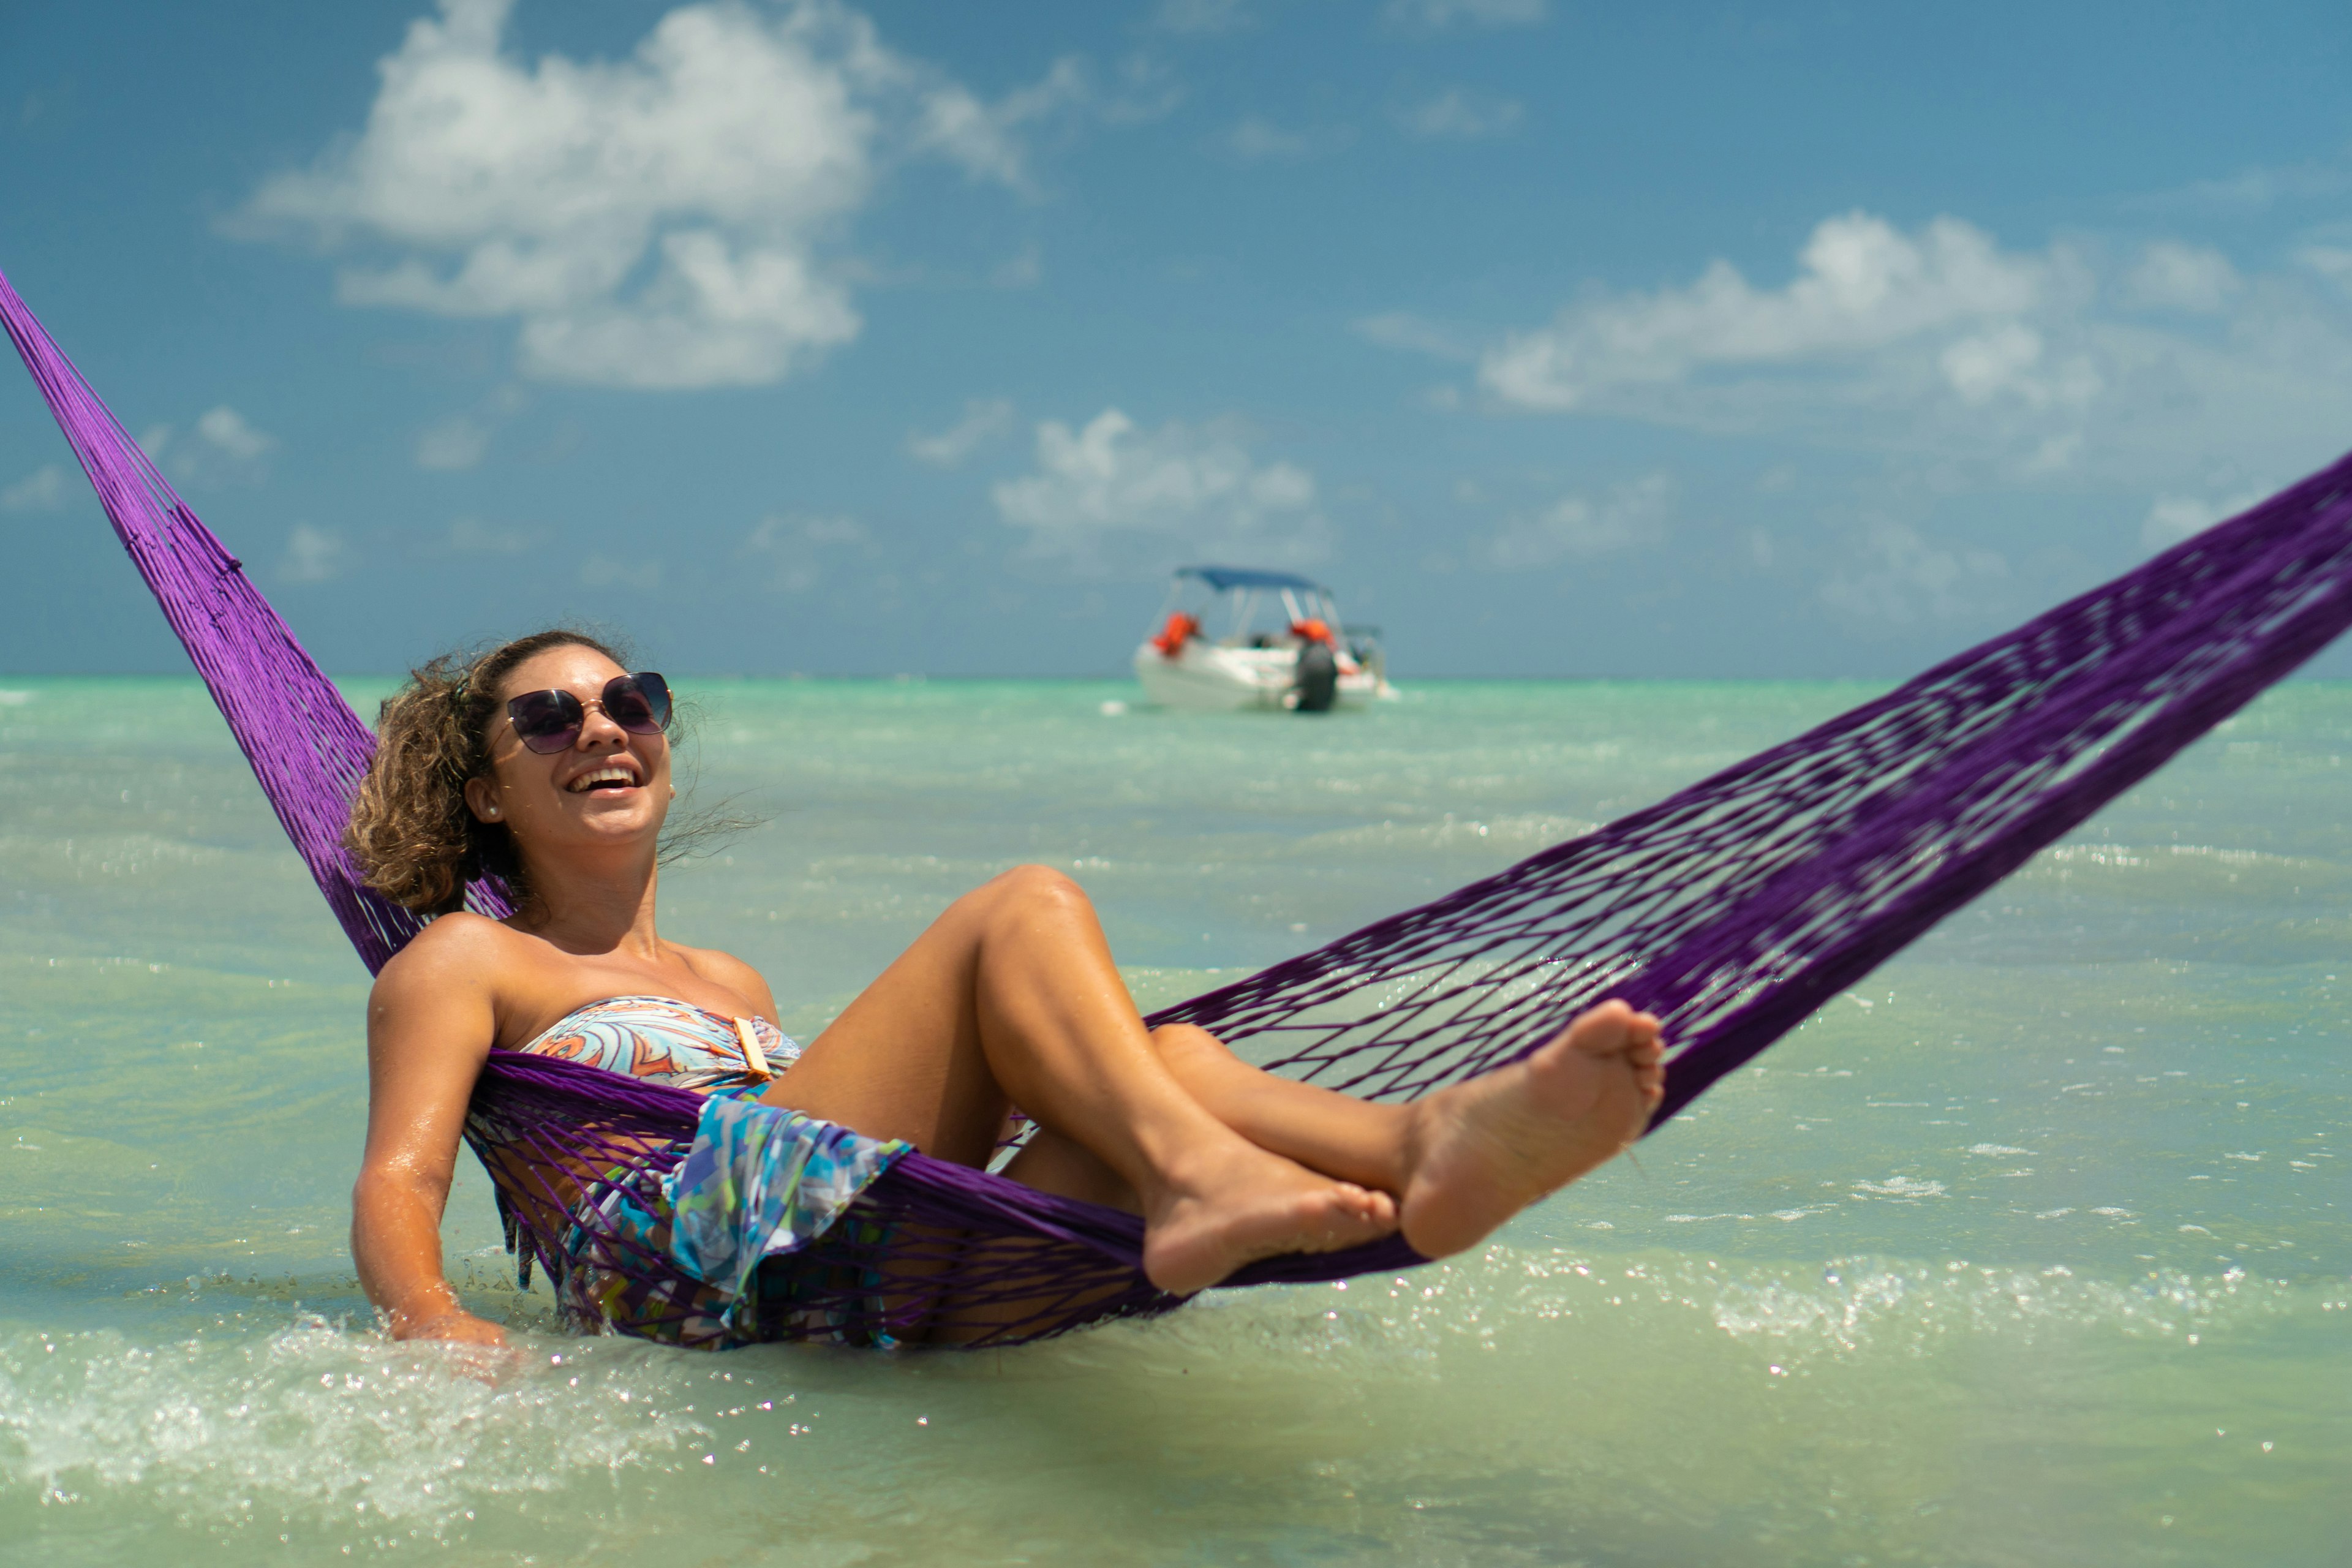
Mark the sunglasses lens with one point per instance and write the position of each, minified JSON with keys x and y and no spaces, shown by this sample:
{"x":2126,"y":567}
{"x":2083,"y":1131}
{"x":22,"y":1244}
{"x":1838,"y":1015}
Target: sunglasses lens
{"x":546,"y":722}
{"x":638,"y":703}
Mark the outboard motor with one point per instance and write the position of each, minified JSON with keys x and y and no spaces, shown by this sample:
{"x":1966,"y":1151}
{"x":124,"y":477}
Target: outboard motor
{"x":1318,"y":683}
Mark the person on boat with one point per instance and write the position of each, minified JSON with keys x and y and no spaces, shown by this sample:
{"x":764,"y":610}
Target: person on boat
{"x":548,"y":764}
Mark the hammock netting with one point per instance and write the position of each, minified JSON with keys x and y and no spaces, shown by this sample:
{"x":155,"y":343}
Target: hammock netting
{"x":1733,"y":909}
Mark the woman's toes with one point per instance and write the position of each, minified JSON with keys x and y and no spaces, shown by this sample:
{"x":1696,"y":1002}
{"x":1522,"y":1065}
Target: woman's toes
{"x":1274,"y":1207}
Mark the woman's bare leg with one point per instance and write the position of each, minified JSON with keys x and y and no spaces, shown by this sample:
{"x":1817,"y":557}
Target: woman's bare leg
{"x":1012,"y":998}
{"x":1360,"y":1141}
{"x":1460,"y":1160}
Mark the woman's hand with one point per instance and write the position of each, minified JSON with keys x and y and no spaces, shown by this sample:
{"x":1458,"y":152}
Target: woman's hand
{"x":454,"y":1326}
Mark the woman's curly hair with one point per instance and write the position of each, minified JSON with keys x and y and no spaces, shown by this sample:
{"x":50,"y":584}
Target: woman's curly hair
{"x":416,"y":839}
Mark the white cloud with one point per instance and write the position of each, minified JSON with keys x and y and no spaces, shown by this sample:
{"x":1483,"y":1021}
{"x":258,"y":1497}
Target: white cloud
{"x":1199,"y":487}
{"x":632,"y":571}
{"x":1254,"y":140}
{"x":2174,"y":518}
{"x":224,"y":448}
{"x":833,"y":531}
{"x":2007,"y":360}
{"x":659,"y":222}
{"x":1403,"y":330}
{"x":984,"y":420}
{"x":1459,"y":114}
{"x":2333,"y":262}
{"x":472,"y":536}
{"x":983,"y":137}
{"x":1203,"y":16}
{"x":1143,"y":89}
{"x":1442,"y":14}
{"x":803,"y":551}
{"x":1021,"y":269}
{"x":1941,"y":346}
{"x":2055,"y":454}
{"x":2257,"y":189}
{"x":1896,"y":576}
{"x":456,"y":443}
{"x":1632,"y":517}
{"x":313,"y":555}
{"x":228,"y":431}
{"x":2175,"y":276}
{"x":1862,"y":286}
{"x":43,"y":490}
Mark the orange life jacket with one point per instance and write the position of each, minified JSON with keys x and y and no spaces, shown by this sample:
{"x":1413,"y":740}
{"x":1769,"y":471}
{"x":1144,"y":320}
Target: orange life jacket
{"x":1181,"y":629}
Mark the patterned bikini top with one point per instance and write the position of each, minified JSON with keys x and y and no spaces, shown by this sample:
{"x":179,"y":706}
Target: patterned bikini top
{"x":670,"y":1042}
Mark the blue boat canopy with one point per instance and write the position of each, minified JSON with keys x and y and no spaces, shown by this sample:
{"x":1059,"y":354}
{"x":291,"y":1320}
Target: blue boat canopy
{"x":1223,"y":577}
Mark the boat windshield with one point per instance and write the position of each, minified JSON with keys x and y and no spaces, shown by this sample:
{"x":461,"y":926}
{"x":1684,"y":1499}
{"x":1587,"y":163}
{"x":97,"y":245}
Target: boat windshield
{"x":1237,"y":608}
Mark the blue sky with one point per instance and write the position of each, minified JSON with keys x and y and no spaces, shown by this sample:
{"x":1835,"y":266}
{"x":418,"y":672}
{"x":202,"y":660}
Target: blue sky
{"x":1560,"y":338}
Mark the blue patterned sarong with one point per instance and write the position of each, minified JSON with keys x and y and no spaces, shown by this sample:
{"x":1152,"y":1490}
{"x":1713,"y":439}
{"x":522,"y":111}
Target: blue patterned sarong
{"x":759,"y":1182}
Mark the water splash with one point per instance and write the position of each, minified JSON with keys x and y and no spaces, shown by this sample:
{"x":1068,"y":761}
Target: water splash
{"x":318,"y":1425}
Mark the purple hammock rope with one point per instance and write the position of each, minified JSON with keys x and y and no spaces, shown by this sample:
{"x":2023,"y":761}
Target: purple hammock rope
{"x":1732,"y":909}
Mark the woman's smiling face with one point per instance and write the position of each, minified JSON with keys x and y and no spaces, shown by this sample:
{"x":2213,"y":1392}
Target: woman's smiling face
{"x":609,"y":788}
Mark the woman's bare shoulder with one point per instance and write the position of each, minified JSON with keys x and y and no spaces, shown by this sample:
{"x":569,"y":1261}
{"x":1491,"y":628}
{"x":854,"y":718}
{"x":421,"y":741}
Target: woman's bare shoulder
{"x":435,"y":1010}
{"x":460,"y":951}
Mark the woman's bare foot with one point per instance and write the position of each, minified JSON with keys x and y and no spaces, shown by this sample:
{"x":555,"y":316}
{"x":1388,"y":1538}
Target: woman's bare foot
{"x":1237,"y":1203}
{"x":1483,"y":1150}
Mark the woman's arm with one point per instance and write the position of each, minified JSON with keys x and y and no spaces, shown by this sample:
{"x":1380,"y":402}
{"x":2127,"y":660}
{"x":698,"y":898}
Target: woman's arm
{"x":430,"y":1025}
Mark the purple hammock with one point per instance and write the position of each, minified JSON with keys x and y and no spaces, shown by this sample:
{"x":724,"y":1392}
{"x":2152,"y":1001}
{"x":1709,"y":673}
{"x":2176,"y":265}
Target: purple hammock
{"x":1732,"y":909}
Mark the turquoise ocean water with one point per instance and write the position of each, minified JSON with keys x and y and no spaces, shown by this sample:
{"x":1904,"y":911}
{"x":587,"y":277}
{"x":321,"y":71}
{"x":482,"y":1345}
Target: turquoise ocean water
{"x":2034,"y":1248}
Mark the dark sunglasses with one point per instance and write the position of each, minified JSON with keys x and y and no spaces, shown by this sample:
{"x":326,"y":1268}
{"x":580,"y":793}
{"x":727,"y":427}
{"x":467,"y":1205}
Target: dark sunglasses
{"x":550,"y":722}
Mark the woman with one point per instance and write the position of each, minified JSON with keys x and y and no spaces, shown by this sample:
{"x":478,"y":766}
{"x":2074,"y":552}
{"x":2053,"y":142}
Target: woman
{"x":546,"y":762}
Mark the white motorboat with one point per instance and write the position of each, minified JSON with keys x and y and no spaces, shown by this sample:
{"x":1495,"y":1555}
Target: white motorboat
{"x":1233,"y":638}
